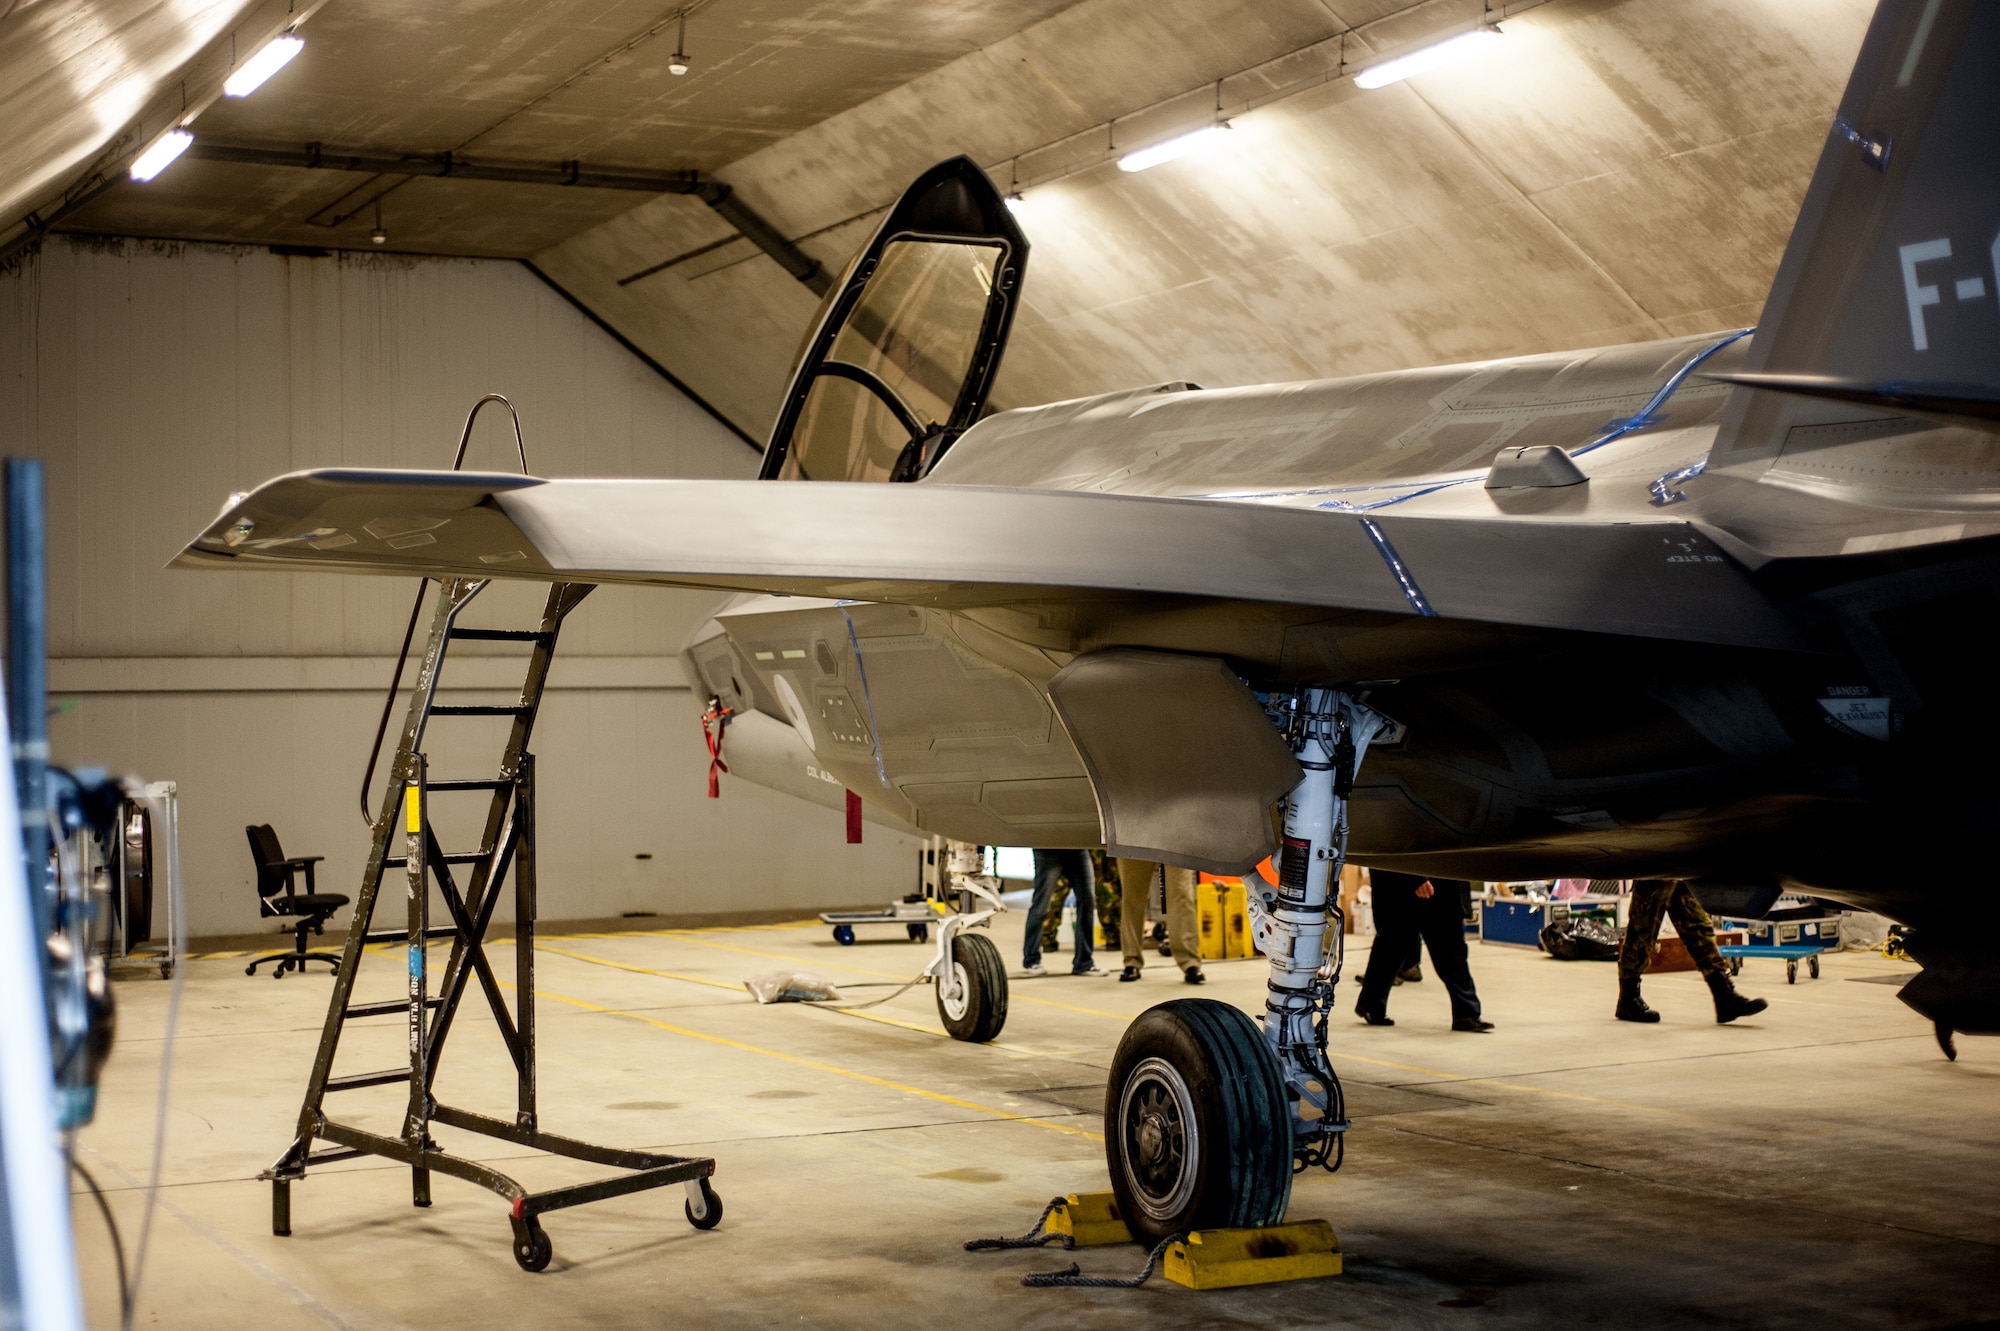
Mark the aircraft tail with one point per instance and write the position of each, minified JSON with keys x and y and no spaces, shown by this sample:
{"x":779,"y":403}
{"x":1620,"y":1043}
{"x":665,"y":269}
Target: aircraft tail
{"x":1889,"y":292}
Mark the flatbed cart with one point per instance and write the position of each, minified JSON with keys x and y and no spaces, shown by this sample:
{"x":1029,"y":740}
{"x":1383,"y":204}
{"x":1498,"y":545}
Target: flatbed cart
{"x":913,"y":912}
{"x":1791,"y":953}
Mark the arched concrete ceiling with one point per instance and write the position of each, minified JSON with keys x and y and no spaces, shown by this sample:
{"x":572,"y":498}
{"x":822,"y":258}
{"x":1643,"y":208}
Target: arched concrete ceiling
{"x":1617,"y":169}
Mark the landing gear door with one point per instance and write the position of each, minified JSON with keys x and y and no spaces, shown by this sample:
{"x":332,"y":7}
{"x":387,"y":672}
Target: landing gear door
{"x":902,"y":353}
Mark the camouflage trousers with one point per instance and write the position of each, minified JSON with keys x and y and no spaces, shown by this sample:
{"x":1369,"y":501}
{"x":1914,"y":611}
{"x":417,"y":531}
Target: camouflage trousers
{"x":1108,"y":906}
{"x":1653,"y":898}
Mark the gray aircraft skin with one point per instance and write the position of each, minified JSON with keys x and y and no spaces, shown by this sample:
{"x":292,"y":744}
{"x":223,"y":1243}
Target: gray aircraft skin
{"x":1718,"y":607}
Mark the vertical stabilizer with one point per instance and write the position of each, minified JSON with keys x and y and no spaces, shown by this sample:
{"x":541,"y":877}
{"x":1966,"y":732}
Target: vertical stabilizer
{"x":1889,"y":292}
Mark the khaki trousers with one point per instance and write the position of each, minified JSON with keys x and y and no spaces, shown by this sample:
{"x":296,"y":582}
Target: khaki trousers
{"x":1135,"y":879}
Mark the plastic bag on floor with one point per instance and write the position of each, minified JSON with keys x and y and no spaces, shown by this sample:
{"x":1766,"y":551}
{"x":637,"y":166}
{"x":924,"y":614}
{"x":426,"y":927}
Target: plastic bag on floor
{"x":1861,"y":931}
{"x":791,"y":987}
{"x":1580,"y":938}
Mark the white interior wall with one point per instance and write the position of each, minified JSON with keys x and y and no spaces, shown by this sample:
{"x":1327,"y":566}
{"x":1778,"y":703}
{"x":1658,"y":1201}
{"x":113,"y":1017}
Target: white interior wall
{"x":155,"y":378}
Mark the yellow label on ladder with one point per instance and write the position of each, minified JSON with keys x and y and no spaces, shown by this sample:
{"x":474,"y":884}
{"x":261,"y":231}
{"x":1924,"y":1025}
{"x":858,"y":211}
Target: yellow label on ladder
{"x":413,"y":809}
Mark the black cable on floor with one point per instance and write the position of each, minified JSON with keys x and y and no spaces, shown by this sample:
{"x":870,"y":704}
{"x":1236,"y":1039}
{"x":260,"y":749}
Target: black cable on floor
{"x":117,"y":1241}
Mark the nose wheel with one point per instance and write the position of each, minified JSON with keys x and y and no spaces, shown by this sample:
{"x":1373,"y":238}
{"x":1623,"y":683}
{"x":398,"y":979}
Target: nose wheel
{"x":1200,"y":1130}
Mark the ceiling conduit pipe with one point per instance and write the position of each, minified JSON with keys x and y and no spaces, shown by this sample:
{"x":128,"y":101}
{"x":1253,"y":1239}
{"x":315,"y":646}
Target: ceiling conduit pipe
{"x":714,"y":193}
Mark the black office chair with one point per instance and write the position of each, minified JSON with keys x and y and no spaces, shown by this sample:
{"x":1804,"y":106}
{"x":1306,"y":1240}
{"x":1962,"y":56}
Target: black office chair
{"x":276,"y":873}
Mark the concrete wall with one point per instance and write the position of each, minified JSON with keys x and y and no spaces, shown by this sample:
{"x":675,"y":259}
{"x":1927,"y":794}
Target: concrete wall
{"x":155,"y":378}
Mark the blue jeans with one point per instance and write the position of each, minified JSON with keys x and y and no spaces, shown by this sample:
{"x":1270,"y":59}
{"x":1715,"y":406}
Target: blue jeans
{"x":1049,"y":866}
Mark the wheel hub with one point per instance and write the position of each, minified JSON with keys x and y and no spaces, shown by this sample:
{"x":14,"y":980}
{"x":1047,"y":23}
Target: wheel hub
{"x":957,"y":993}
{"x":1162,"y":1141}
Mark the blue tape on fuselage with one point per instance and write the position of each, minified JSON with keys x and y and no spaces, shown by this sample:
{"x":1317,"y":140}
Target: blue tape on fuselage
{"x":874,"y":731}
{"x":1411,"y":592}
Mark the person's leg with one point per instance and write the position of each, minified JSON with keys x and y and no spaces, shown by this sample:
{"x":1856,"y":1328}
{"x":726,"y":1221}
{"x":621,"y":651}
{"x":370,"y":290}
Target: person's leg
{"x":1085,"y":892}
{"x":1183,"y":920}
{"x":1048,"y":868}
{"x":1110,"y":914}
{"x":1052,"y":919}
{"x":1135,"y":880}
{"x":1635,"y":952}
{"x":1442,"y":924}
{"x":1413,"y":962}
{"x":1697,"y":931}
{"x":1393,"y":933}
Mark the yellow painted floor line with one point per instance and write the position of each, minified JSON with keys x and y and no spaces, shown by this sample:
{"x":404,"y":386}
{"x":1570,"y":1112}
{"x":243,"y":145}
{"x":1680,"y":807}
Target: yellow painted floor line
{"x":1014,"y":994}
{"x":1013,"y":989}
{"x":641,"y":970}
{"x":887,"y":1020}
{"x":818,"y":1066}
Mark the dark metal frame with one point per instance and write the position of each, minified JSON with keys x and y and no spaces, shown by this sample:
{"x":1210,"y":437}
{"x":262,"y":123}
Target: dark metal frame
{"x":508,"y":842}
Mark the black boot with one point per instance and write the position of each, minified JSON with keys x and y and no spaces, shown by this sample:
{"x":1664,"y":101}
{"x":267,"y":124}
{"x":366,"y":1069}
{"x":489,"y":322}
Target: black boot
{"x":1729,"y":1005}
{"x":1631,"y":1007}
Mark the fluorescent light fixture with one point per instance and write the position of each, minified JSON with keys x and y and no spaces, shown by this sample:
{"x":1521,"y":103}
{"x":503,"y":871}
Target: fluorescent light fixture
{"x":1172,"y":148}
{"x":275,"y":55}
{"x":1448,"y":52}
{"x":161,"y":155}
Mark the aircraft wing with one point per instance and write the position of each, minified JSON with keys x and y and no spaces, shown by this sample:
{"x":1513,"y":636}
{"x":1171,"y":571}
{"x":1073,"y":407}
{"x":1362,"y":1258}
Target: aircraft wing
{"x":964,"y":546}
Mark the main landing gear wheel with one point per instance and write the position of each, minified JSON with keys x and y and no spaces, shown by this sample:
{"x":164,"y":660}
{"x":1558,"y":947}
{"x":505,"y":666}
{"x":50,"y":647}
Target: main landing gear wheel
{"x":710,"y":1214}
{"x":532,"y":1248}
{"x":974,"y":1007}
{"x":1198,"y":1133}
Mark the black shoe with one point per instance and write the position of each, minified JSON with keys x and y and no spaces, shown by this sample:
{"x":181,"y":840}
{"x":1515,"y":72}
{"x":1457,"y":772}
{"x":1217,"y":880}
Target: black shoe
{"x":1193,"y":975}
{"x":1631,"y":1007}
{"x":1414,"y":975}
{"x":1471,"y":1024}
{"x":1374,"y":1016}
{"x":1729,"y":1005}
{"x":1129,"y":974}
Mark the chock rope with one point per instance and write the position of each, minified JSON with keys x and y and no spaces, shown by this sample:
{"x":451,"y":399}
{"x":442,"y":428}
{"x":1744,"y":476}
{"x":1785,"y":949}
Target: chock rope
{"x":717,"y":768}
{"x":1034,"y":1238}
{"x":908,"y":985}
{"x":1075,"y":1279}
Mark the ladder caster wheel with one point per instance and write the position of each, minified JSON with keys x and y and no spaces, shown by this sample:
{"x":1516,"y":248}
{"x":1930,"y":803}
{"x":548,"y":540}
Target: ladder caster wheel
{"x":532,"y":1248}
{"x":711,"y":1214}
{"x":843,"y":934}
{"x":165,"y":973}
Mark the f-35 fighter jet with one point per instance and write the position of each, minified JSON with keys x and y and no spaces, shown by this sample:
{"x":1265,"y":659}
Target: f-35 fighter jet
{"x":1717,"y":608}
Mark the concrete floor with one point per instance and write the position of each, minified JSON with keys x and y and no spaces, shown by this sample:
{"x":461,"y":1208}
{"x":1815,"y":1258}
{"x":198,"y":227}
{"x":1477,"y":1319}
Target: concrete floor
{"x":1820,"y":1166}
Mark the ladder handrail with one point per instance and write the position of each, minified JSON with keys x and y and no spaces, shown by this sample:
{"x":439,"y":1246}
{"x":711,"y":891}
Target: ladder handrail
{"x":423,"y":585}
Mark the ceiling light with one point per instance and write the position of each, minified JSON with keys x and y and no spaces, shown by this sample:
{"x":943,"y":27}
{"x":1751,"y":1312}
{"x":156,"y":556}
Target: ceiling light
{"x":378,"y":235}
{"x":677,"y":63}
{"x":1448,"y":52}
{"x":1172,"y":148}
{"x":275,"y":55}
{"x":161,"y":155}
{"x":1016,"y":204}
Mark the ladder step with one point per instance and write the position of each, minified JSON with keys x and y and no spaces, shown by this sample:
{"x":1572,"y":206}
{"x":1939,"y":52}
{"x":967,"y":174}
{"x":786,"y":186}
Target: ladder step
{"x":328,"y":1157}
{"x":354,"y":1081}
{"x":457,"y":857}
{"x":480,"y":709}
{"x":384,"y":1009}
{"x":500,"y":635}
{"x":490,"y":783}
{"x":403,"y":936}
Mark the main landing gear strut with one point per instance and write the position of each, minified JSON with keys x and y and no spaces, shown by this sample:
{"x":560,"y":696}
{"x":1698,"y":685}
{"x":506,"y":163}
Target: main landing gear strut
{"x":1207,"y":1117}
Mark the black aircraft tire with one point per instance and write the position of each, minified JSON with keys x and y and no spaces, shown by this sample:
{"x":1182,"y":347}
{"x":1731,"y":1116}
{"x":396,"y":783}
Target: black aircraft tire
{"x":1204,"y":1061}
{"x":985,"y":1010}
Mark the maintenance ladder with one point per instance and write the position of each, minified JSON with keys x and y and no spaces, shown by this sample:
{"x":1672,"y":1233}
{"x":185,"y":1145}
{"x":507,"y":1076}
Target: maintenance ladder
{"x":508,"y":842}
